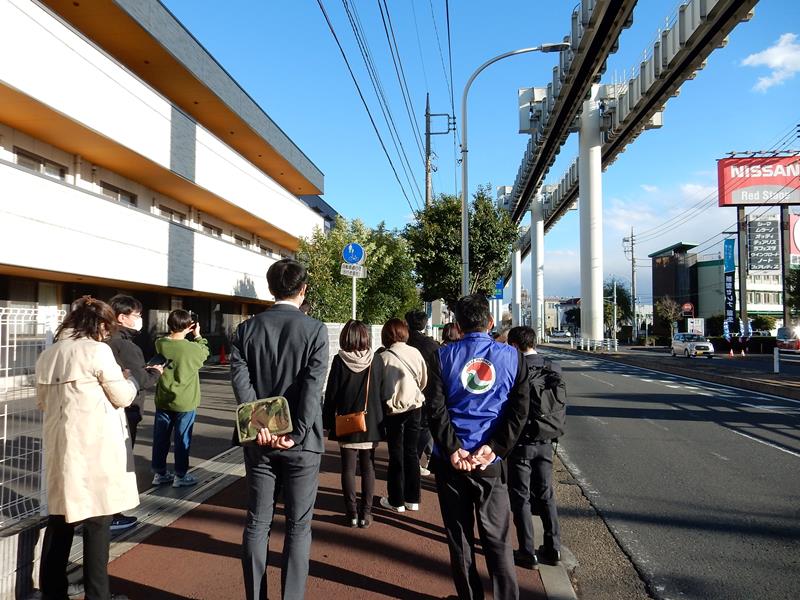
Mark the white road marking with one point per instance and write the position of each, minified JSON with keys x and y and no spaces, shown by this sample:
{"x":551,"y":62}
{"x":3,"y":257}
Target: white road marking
{"x":597,"y":379}
{"x":599,"y":420}
{"x":674,"y":387}
{"x":770,"y":444}
{"x":719,"y":456}
{"x":654,"y":424}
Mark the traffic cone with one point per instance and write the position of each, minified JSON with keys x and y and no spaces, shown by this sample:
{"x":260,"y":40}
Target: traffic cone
{"x":731,"y":353}
{"x":223,"y":359}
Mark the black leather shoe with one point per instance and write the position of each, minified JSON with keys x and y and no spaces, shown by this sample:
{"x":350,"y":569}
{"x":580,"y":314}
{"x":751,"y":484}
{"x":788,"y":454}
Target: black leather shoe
{"x":548,"y":556}
{"x":525,"y":560}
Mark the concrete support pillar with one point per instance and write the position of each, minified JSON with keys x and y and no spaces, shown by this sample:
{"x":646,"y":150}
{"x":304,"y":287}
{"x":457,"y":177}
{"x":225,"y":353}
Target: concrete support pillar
{"x":591,"y":218}
{"x":537,"y":266}
{"x":516,"y":287}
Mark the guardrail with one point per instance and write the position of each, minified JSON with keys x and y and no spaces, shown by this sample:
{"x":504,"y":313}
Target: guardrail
{"x":776,"y":358}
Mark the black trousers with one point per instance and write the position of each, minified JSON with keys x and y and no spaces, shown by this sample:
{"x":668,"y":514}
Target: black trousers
{"x":366,"y":460}
{"x":530,"y":479}
{"x":55,"y":556}
{"x":463,"y":500}
{"x":402,"y":434}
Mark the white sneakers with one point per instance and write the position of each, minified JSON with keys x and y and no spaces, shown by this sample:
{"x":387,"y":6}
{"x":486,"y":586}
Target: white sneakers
{"x":184,"y":481}
{"x":161,"y":478}
{"x":384,"y":502}
{"x":424,"y":472}
{"x":412,"y":505}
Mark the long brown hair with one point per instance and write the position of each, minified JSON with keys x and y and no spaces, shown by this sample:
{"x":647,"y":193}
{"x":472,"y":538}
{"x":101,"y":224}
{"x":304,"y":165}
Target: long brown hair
{"x":88,"y":317}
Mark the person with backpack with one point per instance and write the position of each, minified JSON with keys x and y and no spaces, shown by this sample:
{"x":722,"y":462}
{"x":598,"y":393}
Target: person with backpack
{"x":530,"y":471}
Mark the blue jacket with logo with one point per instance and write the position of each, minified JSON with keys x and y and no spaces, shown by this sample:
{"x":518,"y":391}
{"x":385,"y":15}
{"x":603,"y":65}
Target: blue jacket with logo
{"x":480,"y":395}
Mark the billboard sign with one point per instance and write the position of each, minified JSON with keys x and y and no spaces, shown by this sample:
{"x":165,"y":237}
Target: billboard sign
{"x":763,"y":244}
{"x":759,"y":180}
{"x":696,"y":325}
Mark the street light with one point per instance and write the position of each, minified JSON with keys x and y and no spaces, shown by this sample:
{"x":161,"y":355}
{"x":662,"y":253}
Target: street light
{"x":464,"y":212}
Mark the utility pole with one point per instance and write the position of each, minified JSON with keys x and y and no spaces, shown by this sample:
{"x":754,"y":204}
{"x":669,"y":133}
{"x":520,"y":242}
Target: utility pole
{"x":615,"y":310}
{"x":632,"y":241}
{"x":427,"y":150}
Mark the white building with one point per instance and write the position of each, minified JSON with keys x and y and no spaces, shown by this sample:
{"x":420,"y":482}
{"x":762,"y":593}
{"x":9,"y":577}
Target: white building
{"x":131,"y":161}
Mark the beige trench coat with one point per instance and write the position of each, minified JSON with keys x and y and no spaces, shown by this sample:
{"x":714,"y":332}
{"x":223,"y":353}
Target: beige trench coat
{"x":87,"y":447}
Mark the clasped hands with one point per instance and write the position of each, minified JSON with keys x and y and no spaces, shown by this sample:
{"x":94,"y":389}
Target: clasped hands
{"x":466,"y":461}
{"x":280,"y":442}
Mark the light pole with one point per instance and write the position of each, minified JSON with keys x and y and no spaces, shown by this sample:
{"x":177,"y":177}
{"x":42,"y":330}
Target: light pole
{"x":464,"y":191}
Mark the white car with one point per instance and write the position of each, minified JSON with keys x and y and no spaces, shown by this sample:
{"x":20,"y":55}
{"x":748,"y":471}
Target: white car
{"x":560,"y":336}
{"x":691,"y":344}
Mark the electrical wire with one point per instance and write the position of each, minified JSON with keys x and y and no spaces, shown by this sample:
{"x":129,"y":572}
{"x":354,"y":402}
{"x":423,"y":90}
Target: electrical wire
{"x":394,"y":49}
{"x":364,"y":102}
{"x":366,"y":54}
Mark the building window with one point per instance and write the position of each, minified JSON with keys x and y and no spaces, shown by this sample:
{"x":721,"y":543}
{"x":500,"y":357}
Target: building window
{"x":266,"y":250}
{"x":241,"y":241}
{"x":212,"y":230}
{"x":118,"y":194}
{"x":38,"y":164}
{"x":172,"y":214}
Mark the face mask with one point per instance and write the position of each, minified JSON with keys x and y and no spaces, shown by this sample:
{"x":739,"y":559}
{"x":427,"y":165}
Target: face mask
{"x":137,"y":324}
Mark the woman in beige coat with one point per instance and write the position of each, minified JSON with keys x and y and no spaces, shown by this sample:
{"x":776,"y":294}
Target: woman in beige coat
{"x":404,"y":377}
{"x":88,"y":462}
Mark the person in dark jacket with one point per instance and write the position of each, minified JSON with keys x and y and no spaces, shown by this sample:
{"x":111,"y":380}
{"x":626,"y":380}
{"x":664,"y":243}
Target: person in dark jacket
{"x":530,"y":475}
{"x":282,"y":352}
{"x":354,"y":385}
{"x":479,"y":407}
{"x":129,"y":356}
{"x":428,"y":347}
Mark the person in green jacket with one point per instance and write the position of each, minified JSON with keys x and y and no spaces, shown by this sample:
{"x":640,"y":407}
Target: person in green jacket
{"x":177,"y":397}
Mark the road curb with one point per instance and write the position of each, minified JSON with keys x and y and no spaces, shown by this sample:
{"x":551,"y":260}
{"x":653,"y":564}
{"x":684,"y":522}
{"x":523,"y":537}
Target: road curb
{"x":556,"y":581}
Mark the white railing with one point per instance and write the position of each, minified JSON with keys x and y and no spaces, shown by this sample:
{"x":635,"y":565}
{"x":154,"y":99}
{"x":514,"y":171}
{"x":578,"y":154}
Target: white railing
{"x":24,"y":333}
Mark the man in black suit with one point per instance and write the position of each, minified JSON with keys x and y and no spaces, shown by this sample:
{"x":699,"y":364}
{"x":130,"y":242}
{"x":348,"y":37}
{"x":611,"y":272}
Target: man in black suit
{"x":282,"y":352}
{"x":429,"y":348}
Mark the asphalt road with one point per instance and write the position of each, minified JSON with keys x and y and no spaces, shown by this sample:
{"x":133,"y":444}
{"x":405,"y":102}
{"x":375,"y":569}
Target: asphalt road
{"x":698,"y":482}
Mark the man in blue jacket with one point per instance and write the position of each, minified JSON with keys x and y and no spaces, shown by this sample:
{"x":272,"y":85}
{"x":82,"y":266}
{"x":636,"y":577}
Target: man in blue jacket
{"x":478,"y":409}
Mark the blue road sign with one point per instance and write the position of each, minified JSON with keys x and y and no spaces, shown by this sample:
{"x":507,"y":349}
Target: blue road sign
{"x":353,"y":253}
{"x":498,"y":289}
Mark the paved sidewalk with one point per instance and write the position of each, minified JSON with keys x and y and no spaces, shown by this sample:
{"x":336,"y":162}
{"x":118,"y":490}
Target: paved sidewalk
{"x":400,"y":556}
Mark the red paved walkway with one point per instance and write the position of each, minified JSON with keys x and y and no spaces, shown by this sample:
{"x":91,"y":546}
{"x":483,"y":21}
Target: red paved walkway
{"x":400,"y":556}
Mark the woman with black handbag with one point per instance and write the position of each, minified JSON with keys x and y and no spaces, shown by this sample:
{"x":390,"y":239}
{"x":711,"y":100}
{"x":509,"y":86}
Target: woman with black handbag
{"x":353,"y":415}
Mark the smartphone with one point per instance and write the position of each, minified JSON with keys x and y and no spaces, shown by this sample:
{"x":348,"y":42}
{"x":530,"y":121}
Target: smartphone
{"x":194,"y":317}
{"x":159,"y":360}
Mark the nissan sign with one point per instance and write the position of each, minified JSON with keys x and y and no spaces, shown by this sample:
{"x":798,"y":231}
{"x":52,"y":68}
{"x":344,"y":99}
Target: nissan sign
{"x":759,"y":180}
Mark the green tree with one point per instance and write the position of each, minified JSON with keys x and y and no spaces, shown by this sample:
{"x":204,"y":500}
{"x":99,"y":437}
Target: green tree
{"x":793,"y":292}
{"x":388,"y":290}
{"x":623,"y":303}
{"x":714,"y":325}
{"x":435,"y":243}
{"x":763,"y":322}
{"x":573,"y":317}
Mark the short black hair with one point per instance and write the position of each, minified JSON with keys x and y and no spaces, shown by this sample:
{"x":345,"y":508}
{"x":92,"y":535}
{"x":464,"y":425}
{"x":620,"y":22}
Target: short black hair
{"x":416,"y":319}
{"x":122,"y":304}
{"x":522,"y":337}
{"x":178,"y":320}
{"x":354,"y":337}
{"x":286,"y":278}
{"x":472,"y":313}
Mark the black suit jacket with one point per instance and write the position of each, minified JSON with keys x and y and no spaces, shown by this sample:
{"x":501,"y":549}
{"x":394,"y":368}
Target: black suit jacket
{"x":283,"y":352}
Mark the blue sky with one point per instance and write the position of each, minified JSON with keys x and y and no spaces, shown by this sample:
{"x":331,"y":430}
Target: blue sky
{"x":284,"y":56}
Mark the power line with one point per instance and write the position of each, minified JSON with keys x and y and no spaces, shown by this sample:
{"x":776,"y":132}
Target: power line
{"x":419,"y":45}
{"x":394,"y":50}
{"x":364,"y":102}
{"x":366,"y":54}
{"x":452,"y":100}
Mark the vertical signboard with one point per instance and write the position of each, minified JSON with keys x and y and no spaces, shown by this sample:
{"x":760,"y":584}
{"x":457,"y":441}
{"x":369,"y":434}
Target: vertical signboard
{"x":794,"y":241}
{"x":763,"y":244}
{"x":730,"y":268}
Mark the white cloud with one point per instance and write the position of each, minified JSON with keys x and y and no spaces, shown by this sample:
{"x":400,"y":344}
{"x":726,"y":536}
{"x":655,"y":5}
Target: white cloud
{"x":650,"y":189}
{"x":697,"y":191}
{"x":783,"y":58}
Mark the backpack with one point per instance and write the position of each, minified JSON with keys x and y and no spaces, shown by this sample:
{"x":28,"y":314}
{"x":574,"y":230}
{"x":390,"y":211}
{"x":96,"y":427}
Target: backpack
{"x":548,"y":412}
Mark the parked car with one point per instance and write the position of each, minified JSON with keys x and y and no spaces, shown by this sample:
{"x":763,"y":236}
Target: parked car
{"x":560,"y":336}
{"x":691,"y":344}
{"x":787,"y":339}
{"x":762,"y":333}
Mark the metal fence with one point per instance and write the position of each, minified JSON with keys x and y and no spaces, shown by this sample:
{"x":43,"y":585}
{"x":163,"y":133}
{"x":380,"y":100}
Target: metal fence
{"x":24,"y":333}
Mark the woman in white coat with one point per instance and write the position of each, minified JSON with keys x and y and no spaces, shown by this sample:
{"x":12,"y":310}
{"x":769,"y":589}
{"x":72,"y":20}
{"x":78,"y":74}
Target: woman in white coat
{"x":87,"y":451}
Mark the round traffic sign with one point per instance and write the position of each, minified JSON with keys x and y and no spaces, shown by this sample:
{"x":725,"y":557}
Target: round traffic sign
{"x":687,"y":307}
{"x":353,"y":253}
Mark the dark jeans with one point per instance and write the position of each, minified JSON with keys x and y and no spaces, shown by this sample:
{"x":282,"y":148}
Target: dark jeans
{"x":463,"y":499}
{"x":366,"y":460}
{"x":402,"y":433}
{"x":530,"y":477}
{"x":298,"y":472}
{"x":425,"y":444}
{"x":55,"y":555}
{"x":165,"y":422}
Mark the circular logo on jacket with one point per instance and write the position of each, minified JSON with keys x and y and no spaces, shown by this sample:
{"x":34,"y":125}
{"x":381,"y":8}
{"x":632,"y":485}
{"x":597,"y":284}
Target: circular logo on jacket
{"x":478,"y":376}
